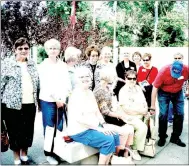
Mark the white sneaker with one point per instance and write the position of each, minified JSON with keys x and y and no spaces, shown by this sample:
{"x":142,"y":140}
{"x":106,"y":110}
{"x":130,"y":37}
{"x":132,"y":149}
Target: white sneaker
{"x":136,"y":155}
{"x":51,"y":160}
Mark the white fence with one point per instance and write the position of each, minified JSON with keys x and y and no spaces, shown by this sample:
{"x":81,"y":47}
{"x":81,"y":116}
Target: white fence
{"x":161,"y":56}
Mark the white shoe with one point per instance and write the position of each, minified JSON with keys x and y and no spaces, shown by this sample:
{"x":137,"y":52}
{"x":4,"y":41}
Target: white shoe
{"x":51,"y":160}
{"x":170,"y":124}
{"x":136,"y":155}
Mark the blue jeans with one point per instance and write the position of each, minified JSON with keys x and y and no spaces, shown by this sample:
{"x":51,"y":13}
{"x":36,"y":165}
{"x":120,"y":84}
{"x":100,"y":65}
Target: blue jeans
{"x":49,"y":114}
{"x":170,"y":113}
{"x":106,"y":144}
{"x":177,"y":100}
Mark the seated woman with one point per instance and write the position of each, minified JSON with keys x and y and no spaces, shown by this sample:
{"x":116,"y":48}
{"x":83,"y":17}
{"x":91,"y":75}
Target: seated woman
{"x":85,"y":122}
{"x":104,"y":93}
{"x":133,"y":103}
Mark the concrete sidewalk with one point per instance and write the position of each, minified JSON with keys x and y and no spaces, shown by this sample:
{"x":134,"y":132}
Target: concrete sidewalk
{"x":169,"y":154}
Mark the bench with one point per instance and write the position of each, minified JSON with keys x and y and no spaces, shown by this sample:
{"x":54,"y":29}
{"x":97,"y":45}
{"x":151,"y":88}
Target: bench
{"x":74,"y":152}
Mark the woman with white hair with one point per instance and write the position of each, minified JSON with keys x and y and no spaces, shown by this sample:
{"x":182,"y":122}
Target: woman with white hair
{"x":72,"y":56}
{"x":54,"y":87}
{"x":105,"y":57}
{"x":104,"y":93}
{"x":85,"y":122}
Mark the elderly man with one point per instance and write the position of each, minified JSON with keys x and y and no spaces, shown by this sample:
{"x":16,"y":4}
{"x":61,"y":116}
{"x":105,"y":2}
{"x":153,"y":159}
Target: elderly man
{"x":168,"y":85}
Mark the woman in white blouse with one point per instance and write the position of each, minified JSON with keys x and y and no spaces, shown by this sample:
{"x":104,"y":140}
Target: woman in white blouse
{"x":54,"y":88}
{"x":85,"y":122}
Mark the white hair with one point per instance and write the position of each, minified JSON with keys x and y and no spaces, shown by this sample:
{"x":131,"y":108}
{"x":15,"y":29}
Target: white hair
{"x":52,"y":42}
{"x":104,"y":49}
{"x":82,"y":71}
{"x":71,"y":53}
{"x":108,"y":74}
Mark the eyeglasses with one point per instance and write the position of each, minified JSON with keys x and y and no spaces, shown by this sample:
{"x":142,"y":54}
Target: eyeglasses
{"x":146,"y":60}
{"x":177,"y":58}
{"x":25,"y":48}
{"x":129,"y":78}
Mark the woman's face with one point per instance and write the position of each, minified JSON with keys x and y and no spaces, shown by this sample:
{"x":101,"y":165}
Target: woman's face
{"x":106,"y":56}
{"x":131,"y":80}
{"x":146,"y":61}
{"x":93,"y":57}
{"x":84,"y":81}
{"x":22,"y":51}
{"x":125,"y":55}
{"x":53,"y":51}
{"x":136,"y":58}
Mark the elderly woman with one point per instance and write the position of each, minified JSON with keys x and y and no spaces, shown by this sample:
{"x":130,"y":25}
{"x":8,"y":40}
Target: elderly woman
{"x":133,"y":103}
{"x":72,"y":57}
{"x":85,"y":122}
{"x":121,"y":69}
{"x":19,"y":89}
{"x":103,"y":93}
{"x":92,"y":52}
{"x":146,"y":76}
{"x":137,"y":57}
{"x":54,"y":88}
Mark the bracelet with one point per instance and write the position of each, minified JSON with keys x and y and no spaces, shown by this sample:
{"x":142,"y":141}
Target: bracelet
{"x":151,"y":109}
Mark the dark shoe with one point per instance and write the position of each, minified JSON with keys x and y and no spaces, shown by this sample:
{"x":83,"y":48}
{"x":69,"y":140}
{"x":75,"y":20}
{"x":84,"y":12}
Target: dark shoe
{"x":178,"y":142}
{"x":161,"y":142}
{"x":25,"y":162}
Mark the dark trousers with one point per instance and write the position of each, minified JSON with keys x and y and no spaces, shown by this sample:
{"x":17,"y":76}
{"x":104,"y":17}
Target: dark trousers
{"x":20,"y":125}
{"x":177,"y":100}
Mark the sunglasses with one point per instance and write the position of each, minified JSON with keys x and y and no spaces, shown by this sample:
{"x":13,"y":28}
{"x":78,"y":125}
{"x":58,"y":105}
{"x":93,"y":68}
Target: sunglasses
{"x":146,"y":60}
{"x":129,"y":78}
{"x":25,"y":48}
{"x":177,"y":58}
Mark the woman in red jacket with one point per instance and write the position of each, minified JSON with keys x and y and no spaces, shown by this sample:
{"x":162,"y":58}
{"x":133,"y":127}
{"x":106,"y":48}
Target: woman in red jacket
{"x":146,"y":76}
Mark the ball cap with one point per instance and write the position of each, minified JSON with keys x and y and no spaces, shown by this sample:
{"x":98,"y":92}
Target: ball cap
{"x":176,"y":69}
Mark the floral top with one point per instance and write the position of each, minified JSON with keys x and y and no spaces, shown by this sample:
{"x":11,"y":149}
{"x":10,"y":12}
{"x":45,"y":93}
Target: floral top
{"x":94,"y":77}
{"x":104,"y":99}
{"x":11,"y":82}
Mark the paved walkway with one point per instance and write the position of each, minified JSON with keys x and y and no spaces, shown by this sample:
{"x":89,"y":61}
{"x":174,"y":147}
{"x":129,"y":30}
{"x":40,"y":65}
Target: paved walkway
{"x":169,"y":154}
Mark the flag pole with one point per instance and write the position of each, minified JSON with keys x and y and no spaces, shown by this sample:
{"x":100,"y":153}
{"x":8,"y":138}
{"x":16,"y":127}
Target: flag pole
{"x":156,"y":21}
{"x":115,"y":52}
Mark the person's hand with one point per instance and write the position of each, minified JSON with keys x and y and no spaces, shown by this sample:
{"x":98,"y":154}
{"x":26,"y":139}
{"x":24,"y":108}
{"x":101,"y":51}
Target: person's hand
{"x":59,"y":104}
{"x":152,"y":110}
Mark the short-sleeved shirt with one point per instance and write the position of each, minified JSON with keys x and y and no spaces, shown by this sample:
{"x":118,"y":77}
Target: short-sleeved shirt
{"x":167,"y":83}
{"x":143,"y":73}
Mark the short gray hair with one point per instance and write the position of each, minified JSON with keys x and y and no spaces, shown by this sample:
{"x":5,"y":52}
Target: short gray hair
{"x":108,"y":74}
{"x":52,"y":42}
{"x":71,"y":53}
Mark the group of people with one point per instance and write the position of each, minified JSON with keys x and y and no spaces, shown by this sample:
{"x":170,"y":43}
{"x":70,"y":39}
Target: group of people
{"x":105,"y":104}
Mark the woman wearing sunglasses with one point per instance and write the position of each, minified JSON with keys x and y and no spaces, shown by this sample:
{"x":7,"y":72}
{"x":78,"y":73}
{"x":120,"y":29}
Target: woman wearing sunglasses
{"x":104,"y":93}
{"x":134,"y":106}
{"x":146,"y":76}
{"x":19,"y":89}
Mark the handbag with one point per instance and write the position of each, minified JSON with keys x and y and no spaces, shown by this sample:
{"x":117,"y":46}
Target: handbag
{"x":149,"y":147}
{"x":50,"y":132}
{"x":122,"y":160}
{"x":4,"y":138}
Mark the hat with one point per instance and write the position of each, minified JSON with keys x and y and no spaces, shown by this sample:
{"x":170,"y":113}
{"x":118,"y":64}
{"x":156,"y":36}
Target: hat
{"x":176,"y":69}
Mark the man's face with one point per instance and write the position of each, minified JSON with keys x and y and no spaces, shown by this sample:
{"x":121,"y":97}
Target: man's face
{"x":178,"y":57}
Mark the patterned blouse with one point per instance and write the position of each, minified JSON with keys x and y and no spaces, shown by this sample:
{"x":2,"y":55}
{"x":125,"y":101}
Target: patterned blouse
{"x":104,"y":99}
{"x":11,"y":82}
{"x":96,"y":77}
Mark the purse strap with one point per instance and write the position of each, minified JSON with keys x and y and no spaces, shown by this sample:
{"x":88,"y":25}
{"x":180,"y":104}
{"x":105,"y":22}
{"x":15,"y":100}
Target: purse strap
{"x":149,"y":72}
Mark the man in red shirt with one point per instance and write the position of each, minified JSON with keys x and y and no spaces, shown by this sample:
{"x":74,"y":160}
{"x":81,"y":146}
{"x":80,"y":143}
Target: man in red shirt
{"x":168,"y":85}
